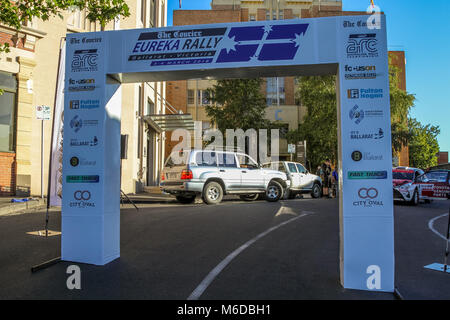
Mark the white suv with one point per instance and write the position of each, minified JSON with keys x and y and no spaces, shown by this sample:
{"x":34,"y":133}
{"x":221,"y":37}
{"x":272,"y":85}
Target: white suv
{"x":301,"y":180}
{"x":214,"y":174}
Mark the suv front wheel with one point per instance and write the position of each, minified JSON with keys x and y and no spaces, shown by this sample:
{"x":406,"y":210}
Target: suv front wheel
{"x":274,"y":191}
{"x":212,"y":193}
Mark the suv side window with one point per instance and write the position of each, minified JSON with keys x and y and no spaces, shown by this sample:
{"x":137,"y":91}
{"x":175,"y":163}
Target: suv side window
{"x":206,"y":159}
{"x":227,"y":160}
{"x":300,"y":168}
{"x":246,"y":162}
{"x":292,"y":168}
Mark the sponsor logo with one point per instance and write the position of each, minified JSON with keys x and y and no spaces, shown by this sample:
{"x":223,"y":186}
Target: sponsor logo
{"x":85,"y":60}
{"x":82,"y":198}
{"x":81,"y":85}
{"x":74,"y":161}
{"x":360,"y":72}
{"x":77,"y":123}
{"x":83,"y":179}
{"x":85,"y":40}
{"x":367,"y":175}
{"x":358,"y":24}
{"x":362,"y":46}
{"x":358,"y":156}
{"x":365,"y":93}
{"x":374,"y":135}
{"x":239,"y":44}
{"x":368,"y":198}
{"x":84,"y":143}
{"x":84,"y":104}
{"x":82,"y":162}
{"x":357,"y":114}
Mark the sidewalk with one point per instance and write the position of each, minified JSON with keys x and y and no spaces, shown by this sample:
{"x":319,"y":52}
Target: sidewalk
{"x":35,"y":203}
{"x":8,"y":207}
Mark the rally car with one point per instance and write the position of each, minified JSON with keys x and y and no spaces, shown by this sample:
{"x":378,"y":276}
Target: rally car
{"x":405,"y":184}
{"x":434,"y":185}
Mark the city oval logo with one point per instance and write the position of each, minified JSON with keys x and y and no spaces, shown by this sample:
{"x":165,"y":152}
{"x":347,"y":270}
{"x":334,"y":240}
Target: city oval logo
{"x":368,"y":193}
{"x":82,"y":195}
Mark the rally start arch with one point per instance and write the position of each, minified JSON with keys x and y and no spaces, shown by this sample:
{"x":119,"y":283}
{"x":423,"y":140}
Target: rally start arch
{"x":97,"y":64}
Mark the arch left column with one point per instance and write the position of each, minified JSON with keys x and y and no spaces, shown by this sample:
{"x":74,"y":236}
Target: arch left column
{"x":91,"y":153}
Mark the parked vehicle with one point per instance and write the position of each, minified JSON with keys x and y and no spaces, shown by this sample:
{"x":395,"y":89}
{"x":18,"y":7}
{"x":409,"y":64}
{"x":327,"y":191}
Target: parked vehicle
{"x":434,"y":185}
{"x":405,"y":185}
{"x":301,"y":180}
{"x":213,"y":174}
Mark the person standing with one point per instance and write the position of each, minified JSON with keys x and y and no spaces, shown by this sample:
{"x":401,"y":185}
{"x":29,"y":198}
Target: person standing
{"x":326,"y":168}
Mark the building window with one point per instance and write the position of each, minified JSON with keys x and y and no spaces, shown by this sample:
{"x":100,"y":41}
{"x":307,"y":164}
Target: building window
{"x":281,"y":14}
{"x":143,"y":8}
{"x":8,"y":84}
{"x":150,"y":107}
{"x":152,"y":22}
{"x":252,"y":17}
{"x":203,"y":97}
{"x":191,"y":96}
{"x":267,"y":15}
{"x":272,"y":94}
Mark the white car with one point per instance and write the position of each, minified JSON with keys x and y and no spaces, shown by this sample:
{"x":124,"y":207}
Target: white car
{"x":301,"y":180}
{"x":213,"y":174}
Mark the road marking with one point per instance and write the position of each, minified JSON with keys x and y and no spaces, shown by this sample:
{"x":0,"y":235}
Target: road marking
{"x":431,"y":222}
{"x":218,"y":269}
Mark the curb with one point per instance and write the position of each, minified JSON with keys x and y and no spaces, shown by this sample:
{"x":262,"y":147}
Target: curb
{"x":17,"y":207}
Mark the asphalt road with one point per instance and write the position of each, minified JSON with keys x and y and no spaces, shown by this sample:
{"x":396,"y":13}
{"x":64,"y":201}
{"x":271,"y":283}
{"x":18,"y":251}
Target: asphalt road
{"x":168,"y":250}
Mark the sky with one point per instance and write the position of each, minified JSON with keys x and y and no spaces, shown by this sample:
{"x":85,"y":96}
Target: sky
{"x":421,"y":29}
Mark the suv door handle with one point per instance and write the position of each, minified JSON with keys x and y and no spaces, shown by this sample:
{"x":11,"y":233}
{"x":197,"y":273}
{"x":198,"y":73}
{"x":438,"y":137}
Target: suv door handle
{"x":221,"y":170}
{"x":244,"y":171}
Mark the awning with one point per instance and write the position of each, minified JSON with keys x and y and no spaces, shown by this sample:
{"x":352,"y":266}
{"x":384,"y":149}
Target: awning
{"x":169,"y":122}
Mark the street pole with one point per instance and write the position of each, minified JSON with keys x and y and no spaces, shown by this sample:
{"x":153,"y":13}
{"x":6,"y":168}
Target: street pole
{"x":42,"y":159}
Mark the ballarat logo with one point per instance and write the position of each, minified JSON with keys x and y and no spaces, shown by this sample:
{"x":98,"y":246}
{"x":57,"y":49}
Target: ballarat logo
{"x":362,"y":46}
{"x":85,"y":60}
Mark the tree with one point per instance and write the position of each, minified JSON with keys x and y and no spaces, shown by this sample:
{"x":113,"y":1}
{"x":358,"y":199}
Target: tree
{"x":401,"y":104}
{"x":17,"y":13}
{"x":319,"y":128}
{"x":237,"y":103}
{"x":423,"y":144}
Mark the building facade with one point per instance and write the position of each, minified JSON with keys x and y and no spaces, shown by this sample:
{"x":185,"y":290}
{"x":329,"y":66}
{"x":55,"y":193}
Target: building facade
{"x":28,"y":76}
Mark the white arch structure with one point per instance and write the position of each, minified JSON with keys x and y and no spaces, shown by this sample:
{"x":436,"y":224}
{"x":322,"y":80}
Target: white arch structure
{"x":97,"y":64}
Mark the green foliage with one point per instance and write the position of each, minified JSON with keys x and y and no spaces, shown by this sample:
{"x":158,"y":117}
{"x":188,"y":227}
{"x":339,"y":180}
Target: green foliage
{"x":423,"y":144}
{"x":237,"y":103}
{"x":16,"y":13}
{"x":319,"y":128}
{"x":401,"y":104}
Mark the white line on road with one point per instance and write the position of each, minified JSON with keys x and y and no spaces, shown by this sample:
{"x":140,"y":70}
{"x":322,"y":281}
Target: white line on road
{"x":218,"y":269}
{"x":431,"y":223}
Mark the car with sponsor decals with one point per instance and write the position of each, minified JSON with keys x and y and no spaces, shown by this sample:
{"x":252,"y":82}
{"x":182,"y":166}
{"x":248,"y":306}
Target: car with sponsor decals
{"x":213,"y":174}
{"x":434,"y":185}
{"x":405,"y":185}
{"x":302,"y":181}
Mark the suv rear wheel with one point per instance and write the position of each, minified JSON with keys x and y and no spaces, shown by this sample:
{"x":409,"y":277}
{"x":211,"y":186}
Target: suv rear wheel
{"x":212,"y":193}
{"x":274,"y":191}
